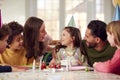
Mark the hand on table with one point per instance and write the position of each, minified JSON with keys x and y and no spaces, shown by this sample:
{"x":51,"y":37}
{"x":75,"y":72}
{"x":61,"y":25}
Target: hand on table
{"x":94,"y":64}
{"x":15,"y":69}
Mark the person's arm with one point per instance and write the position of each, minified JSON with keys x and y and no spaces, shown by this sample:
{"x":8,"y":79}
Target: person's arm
{"x":16,"y":69}
{"x":52,"y":62}
{"x":101,"y":66}
{"x":108,"y":66}
{"x":5,"y":69}
{"x":10,"y":69}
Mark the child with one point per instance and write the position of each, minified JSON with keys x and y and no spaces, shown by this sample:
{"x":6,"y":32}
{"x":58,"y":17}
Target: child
{"x":4,"y":33}
{"x":113,"y":65}
{"x":15,"y":53}
{"x":71,"y":47}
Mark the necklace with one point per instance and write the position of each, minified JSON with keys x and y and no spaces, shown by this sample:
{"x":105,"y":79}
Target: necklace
{"x":70,"y":52}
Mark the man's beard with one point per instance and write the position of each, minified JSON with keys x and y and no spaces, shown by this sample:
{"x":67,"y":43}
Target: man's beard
{"x":92,"y":45}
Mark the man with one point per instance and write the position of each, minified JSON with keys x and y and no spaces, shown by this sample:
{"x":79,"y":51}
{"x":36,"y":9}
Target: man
{"x":96,"y":45}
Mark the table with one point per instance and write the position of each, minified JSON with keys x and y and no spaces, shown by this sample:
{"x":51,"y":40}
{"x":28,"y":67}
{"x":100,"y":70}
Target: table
{"x":63,"y":75}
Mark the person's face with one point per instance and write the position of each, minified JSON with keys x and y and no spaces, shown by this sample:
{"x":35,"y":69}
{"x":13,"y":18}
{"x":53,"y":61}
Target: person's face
{"x":110,"y":38}
{"x":66,"y":39}
{"x":90,"y":39}
{"x":3,"y":44}
{"x":17,"y":42}
{"x":42,"y":32}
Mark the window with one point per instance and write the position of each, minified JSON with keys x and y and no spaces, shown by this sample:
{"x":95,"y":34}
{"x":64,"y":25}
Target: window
{"x":49,"y":11}
{"x":100,"y":9}
{"x":77,"y":9}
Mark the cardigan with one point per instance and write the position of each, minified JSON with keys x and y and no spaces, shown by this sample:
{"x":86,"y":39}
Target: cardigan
{"x":110,"y":66}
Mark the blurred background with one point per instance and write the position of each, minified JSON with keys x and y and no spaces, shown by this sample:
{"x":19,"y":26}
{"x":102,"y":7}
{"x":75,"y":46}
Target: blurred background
{"x":57,"y":13}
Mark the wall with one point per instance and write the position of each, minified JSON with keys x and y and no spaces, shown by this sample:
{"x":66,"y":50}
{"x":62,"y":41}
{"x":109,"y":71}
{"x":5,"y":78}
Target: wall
{"x":13,"y":10}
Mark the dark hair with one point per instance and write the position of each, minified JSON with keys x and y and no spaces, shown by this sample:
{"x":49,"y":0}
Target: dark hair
{"x":4,"y":31}
{"x":33,"y":47}
{"x":74,"y":32}
{"x":16,"y":29}
{"x":98,"y":29}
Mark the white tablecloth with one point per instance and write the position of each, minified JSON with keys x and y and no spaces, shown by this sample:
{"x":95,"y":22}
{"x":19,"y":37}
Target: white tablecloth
{"x":63,"y":75}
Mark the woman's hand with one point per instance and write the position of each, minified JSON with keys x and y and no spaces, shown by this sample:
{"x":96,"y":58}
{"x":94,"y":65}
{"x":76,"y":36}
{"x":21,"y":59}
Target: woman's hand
{"x":15,"y":69}
{"x":52,"y":62}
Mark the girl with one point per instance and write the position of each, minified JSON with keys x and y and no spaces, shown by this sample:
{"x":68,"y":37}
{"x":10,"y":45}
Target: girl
{"x":71,"y":47}
{"x":113,"y":65}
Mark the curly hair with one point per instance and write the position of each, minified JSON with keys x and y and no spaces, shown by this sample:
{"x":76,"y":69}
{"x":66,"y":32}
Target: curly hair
{"x":16,"y":29}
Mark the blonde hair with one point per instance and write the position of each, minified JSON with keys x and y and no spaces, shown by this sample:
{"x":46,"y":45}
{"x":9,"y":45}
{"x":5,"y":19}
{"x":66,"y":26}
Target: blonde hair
{"x":114,"y":28}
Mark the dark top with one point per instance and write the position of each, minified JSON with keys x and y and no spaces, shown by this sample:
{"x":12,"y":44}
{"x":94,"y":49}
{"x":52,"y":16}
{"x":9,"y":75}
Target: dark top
{"x":5,"y":69}
{"x":47,"y":57}
{"x":99,"y":56}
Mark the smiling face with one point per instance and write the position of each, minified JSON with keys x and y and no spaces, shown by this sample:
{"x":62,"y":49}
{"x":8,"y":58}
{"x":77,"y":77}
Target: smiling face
{"x":42,"y":32}
{"x":90,"y":39}
{"x":3,"y":44}
{"x":17,"y":42}
{"x":66,"y":38}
